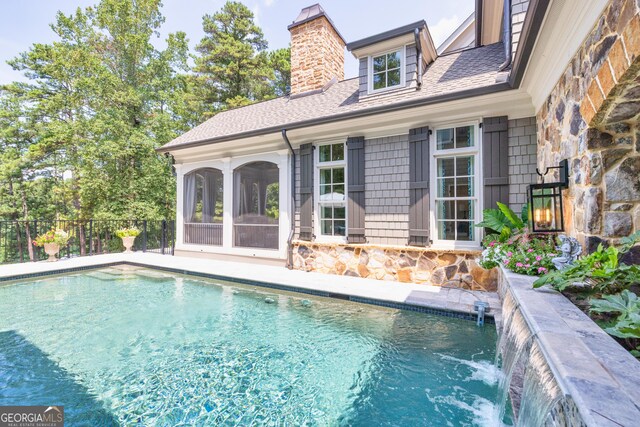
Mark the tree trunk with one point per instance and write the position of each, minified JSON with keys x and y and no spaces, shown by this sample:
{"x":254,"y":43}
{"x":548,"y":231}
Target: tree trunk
{"x":14,"y":216}
{"x":25,"y":215}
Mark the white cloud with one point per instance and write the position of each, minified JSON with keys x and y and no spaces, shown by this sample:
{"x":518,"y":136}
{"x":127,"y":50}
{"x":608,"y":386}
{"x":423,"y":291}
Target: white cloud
{"x":444,"y":28}
{"x":268,"y":2}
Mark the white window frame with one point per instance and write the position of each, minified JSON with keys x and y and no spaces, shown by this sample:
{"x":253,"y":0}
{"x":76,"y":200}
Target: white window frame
{"x":317,"y":220}
{"x":403,"y":70}
{"x":477,"y":182}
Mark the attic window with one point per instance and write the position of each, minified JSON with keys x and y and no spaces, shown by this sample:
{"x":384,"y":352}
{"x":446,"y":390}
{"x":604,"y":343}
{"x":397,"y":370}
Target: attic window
{"x":386,"y":70}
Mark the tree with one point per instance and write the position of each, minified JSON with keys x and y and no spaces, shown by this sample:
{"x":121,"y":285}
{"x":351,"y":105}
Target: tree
{"x":231,"y":68}
{"x":280,"y":63}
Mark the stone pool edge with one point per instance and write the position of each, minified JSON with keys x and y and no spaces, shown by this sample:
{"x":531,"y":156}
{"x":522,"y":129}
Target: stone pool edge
{"x":447,"y":302}
{"x":599,"y":375}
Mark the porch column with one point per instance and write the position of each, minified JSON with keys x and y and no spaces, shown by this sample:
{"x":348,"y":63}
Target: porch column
{"x":179,"y":204}
{"x":227,"y":203}
{"x":284,"y":200}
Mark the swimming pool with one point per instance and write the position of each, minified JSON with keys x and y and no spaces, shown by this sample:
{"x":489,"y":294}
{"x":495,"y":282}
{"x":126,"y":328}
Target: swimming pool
{"x":126,"y":345}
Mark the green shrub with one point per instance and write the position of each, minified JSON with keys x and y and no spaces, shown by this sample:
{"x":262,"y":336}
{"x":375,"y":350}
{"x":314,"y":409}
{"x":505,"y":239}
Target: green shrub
{"x":127,"y":232}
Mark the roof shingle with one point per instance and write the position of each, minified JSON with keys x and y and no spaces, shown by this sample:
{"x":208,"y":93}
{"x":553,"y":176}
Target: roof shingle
{"x":469,"y":69}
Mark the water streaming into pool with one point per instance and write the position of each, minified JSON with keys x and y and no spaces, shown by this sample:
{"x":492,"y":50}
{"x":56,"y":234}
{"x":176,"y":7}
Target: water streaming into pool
{"x":124,"y":346}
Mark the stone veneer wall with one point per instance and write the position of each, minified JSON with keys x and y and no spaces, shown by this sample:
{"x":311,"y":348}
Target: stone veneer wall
{"x":522,"y":160}
{"x":403,"y":264}
{"x":591,"y":117}
{"x":317,"y":55}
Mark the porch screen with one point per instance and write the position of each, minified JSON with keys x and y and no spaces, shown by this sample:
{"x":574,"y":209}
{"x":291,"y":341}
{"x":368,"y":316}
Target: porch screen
{"x":256,"y":206}
{"x":203,"y":207}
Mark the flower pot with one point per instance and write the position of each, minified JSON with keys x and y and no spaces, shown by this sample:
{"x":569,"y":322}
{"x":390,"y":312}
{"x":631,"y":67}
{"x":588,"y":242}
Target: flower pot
{"x":128,"y":243}
{"x":51,"y":249}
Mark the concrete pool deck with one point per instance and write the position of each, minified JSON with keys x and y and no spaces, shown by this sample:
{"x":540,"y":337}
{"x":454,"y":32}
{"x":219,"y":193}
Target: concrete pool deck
{"x":418,"y":295}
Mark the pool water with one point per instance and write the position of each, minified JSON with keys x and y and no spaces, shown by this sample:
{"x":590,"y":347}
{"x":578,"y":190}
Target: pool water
{"x":131,"y":346}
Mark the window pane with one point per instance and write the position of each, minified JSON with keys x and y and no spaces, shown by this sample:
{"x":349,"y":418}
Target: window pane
{"x":446,"y":187}
{"x":338,"y":192}
{"x":326,"y":212}
{"x":379,"y":81}
{"x":445,"y":166}
{"x":445,"y":209}
{"x":465,"y":231}
{"x":446,"y":230}
{"x":339,"y":212}
{"x":393,"y":78}
{"x":325,"y":176}
{"x":379,"y":64}
{"x":325,"y":191}
{"x":464,"y":166}
{"x":338,"y":176}
{"x":464,"y":209}
{"x":393,"y":60}
{"x":326,"y":227}
{"x":337,"y":152}
{"x":444,"y":139}
{"x":325,"y":153}
{"x":464,"y":187}
{"x":464,"y":137}
{"x":339,"y":228}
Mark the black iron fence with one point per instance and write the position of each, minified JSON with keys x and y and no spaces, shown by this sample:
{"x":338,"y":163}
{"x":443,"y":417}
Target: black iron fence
{"x":87,"y":237}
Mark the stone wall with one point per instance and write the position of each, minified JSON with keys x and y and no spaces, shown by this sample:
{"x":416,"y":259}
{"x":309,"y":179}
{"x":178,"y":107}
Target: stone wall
{"x":591,"y":118}
{"x":317,"y":55}
{"x":403,"y":264}
{"x":522,"y":160}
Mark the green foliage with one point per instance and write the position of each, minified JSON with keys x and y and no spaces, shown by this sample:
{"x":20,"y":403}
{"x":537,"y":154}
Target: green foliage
{"x":522,"y":254}
{"x":601,"y":269}
{"x":58,"y":237}
{"x":128,"y":232}
{"x":502,"y":221}
{"x":627,"y":306}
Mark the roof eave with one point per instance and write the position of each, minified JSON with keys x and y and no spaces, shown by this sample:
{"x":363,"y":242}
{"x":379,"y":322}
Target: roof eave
{"x":377,"y":38}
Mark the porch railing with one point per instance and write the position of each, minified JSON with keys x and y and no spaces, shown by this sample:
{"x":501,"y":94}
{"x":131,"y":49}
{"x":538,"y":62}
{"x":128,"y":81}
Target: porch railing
{"x":87,"y":237}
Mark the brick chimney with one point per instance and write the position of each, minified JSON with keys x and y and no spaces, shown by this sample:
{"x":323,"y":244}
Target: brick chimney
{"x":317,"y":51}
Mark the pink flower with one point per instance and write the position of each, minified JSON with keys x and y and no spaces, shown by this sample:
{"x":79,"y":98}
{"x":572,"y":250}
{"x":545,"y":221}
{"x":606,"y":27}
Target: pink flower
{"x":538,"y":257}
{"x":509,"y":254}
{"x":530,"y":250}
{"x":518,"y":264}
{"x":506,"y":262}
{"x":527,"y":265}
{"x":492,"y":244}
{"x":542,"y":270}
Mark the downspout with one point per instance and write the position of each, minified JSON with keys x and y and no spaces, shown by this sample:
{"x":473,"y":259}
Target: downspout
{"x":506,"y":34}
{"x":416,"y":34}
{"x":293,"y":201}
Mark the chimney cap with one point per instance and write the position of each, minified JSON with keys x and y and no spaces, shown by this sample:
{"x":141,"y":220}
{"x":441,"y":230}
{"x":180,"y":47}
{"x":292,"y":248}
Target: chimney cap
{"x":310,"y":13}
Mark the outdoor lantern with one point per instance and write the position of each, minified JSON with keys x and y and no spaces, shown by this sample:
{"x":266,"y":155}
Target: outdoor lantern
{"x":545,"y":201}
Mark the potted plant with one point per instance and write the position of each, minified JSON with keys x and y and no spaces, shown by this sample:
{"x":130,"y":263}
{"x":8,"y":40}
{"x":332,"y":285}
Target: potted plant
{"x":128,"y":236}
{"x":52,"y":241}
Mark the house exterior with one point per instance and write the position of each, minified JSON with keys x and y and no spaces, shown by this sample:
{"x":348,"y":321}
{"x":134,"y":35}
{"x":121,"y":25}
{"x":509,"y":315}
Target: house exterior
{"x":384,"y":175}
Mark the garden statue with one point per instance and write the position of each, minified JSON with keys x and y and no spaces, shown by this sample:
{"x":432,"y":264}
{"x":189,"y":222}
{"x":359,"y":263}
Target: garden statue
{"x":569,"y":250}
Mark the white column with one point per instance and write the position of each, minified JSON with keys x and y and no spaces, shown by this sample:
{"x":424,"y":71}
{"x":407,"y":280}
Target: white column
{"x":179,"y":205}
{"x":227,"y":202}
{"x":284,"y":222}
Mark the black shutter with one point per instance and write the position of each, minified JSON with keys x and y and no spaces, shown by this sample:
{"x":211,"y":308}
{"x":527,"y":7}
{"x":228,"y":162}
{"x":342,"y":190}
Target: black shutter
{"x":355,"y":190}
{"x":495,"y":160}
{"x":419,"y":187}
{"x":306,"y":192}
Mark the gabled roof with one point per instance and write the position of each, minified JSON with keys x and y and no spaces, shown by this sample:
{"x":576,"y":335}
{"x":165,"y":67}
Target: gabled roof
{"x":461,"y":74}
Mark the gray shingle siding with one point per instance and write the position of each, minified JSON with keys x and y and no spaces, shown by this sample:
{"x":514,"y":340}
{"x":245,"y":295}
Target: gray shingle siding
{"x":522,"y":160}
{"x":364,"y":70}
{"x":386,"y":171}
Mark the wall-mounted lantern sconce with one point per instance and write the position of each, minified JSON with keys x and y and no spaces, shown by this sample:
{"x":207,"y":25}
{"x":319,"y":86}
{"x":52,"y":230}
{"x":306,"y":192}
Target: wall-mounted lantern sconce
{"x":545,"y":201}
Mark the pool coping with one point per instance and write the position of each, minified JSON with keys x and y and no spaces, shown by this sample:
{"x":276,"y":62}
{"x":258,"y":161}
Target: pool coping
{"x":449,"y":302}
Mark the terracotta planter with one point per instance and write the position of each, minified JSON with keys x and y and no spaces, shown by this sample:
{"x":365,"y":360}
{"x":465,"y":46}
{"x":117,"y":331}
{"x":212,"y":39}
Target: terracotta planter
{"x":51,"y":249}
{"x":128,"y":243}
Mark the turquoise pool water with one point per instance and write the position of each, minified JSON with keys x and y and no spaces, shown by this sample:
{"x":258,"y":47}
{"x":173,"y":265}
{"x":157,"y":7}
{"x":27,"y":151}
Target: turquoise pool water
{"x":128,"y":346}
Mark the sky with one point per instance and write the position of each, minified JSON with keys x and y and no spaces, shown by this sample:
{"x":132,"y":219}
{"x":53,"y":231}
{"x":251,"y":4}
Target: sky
{"x":24,"y":22}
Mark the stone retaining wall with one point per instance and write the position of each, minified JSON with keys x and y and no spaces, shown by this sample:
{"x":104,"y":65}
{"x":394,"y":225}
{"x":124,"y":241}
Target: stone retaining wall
{"x":449,"y":268}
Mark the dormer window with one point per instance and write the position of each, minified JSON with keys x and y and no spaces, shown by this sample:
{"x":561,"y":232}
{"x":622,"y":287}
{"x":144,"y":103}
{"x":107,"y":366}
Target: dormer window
{"x":386,"y":70}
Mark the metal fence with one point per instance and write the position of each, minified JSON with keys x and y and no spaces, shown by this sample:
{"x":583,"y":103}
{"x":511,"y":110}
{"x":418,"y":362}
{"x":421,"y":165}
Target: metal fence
{"x":87,"y":237}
